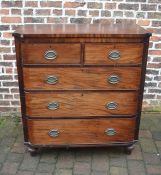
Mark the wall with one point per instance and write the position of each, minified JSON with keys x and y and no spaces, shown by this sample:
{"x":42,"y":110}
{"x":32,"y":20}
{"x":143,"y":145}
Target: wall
{"x":146,"y":13}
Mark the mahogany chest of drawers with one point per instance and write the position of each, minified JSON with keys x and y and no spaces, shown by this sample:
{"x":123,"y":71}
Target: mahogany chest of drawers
{"x":81,"y":84}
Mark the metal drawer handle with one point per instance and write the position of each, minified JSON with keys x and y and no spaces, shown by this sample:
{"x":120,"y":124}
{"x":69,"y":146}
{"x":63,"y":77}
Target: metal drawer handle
{"x":113,"y":79}
{"x":110,"y":131}
{"x":50,"y":55}
{"x":114,"y":55}
{"x":54,"y":133}
{"x":53,"y":105}
{"x":111,"y":105}
{"x":52,"y":79}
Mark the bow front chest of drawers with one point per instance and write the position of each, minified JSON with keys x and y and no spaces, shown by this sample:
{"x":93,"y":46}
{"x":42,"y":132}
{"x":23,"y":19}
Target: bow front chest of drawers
{"x":81,"y":84}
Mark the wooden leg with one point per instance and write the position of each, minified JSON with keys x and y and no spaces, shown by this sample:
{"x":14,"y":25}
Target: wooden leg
{"x":129,"y":149}
{"x":33,"y":151}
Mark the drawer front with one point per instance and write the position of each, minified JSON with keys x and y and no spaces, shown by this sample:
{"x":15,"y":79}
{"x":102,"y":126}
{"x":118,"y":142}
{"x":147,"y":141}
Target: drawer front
{"x":84,"y":78}
{"x":51,"y":53}
{"x":78,"y":104}
{"x":113,"y":53}
{"x":78,"y":131}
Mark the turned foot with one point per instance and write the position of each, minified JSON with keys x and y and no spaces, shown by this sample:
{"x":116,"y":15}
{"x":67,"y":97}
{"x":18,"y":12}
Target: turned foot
{"x":129,"y":149}
{"x":33,"y":151}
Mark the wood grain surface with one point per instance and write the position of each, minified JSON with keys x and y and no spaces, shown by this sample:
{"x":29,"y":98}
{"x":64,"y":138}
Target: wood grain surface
{"x":111,"y":29}
{"x":93,"y":40}
{"x":99,"y":53}
{"x":81,"y":78}
{"x":78,"y":131}
{"x":66,"y":53}
{"x":77,"y":104}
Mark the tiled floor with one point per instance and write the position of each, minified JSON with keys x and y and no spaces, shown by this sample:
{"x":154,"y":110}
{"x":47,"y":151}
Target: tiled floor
{"x":144,"y":160}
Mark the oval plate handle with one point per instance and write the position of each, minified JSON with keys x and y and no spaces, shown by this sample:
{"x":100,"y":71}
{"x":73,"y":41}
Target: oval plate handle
{"x":111,"y":105}
{"x":110,"y":131}
{"x":113,"y":79}
{"x":114,"y":55}
{"x":50,"y":55}
{"x":53,"y":105}
{"x":52,"y":79}
{"x":54,"y":133}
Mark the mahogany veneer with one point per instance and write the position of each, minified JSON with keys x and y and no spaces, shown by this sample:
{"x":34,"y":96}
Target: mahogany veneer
{"x":79,"y":104}
{"x":67,"y":53}
{"x":97,"y":53}
{"x":81,"y":84}
{"x":81,"y":131}
{"x":82,"y":78}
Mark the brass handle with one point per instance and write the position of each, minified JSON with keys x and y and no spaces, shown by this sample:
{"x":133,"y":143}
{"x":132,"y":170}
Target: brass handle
{"x":114,"y":55}
{"x":53,"y":105}
{"x":50,"y":55}
{"x":113,"y":79}
{"x":52,"y":79}
{"x":110,"y":131}
{"x":111,"y":105}
{"x":54,"y":133}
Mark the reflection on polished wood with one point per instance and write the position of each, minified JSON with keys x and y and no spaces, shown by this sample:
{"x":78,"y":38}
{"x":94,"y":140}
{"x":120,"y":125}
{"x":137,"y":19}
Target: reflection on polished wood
{"x":81,"y":30}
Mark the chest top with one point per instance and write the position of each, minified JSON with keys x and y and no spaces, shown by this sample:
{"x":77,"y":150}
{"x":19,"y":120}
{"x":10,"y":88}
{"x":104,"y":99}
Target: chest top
{"x":81,"y":30}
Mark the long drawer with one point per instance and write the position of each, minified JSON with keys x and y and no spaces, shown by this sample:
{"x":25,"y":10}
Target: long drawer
{"x":38,"y":53}
{"x":81,"y":78}
{"x":113,"y":54}
{"x":77,"y":104}
{"x":78,"y":131}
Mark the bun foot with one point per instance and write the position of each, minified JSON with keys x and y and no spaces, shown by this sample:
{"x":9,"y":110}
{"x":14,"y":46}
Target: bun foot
{"x":128,"y":149}
{"x":33,"y":151}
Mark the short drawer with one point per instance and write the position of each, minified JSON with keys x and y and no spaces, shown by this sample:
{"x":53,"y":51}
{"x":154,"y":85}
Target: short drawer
{"x":50,"y":53}
{"x":82,"y":78}
{"x":80,"y":104}
{"x":81,"y":131}
{"x":113,"y":53}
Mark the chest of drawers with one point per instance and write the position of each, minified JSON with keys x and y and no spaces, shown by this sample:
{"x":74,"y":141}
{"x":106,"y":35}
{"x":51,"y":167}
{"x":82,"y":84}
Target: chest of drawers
{"x":81,"y":84}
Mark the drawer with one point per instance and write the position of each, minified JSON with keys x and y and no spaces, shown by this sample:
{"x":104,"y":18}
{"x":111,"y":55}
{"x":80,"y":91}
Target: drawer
{"x":81,"y":131}
{"x":79,"y":104}
{"x":82,"y":78}
{"x":51,"y":53}
{"x":113,"y":53}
